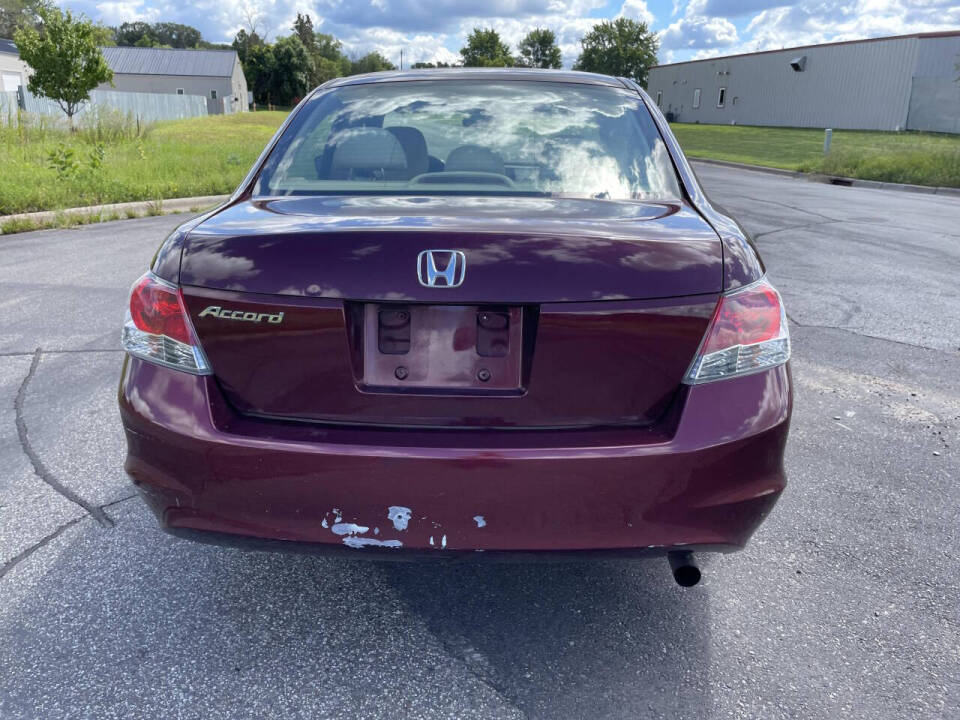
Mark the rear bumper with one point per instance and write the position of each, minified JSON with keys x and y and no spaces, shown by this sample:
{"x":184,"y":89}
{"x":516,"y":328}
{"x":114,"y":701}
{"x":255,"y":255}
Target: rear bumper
{"x":704,"y":478}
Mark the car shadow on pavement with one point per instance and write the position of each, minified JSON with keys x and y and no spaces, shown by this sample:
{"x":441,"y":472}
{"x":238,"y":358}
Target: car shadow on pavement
{"x":605,"y":639}
{"x":134,"y":623}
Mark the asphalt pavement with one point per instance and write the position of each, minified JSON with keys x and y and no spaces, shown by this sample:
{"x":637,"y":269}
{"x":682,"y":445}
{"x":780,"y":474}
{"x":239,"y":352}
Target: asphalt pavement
{"x":846,"y":604}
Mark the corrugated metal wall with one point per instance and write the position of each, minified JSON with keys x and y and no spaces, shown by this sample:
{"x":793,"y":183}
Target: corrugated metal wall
{"x":148,"y":107}
{"x":935,"y":92}
{"x":864,"y":85}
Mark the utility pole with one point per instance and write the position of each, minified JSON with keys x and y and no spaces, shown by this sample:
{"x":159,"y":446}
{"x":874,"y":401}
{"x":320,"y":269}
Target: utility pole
{"x":401,"y":59}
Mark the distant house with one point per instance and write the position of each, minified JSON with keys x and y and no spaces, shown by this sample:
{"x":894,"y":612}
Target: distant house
{"x":13,"y":71}
{"x":214,"y":74}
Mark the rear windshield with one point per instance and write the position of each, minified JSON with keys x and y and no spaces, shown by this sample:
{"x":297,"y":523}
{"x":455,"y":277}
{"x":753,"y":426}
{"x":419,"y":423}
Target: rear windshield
{"x":471,"y":137}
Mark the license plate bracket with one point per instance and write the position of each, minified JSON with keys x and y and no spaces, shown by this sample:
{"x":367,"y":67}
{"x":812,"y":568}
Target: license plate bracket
{"x":458,"y":349}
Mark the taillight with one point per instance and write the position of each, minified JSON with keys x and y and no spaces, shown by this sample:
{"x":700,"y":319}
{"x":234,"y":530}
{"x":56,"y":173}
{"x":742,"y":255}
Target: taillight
{"x":748,"y":333}
{"x":157,"y":328}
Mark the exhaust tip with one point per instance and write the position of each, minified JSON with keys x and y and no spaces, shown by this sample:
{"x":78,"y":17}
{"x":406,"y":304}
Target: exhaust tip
{"x":684,"y":568}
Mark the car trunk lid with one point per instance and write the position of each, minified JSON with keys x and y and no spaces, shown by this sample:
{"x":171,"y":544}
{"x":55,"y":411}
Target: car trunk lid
{"x":570,"y":312}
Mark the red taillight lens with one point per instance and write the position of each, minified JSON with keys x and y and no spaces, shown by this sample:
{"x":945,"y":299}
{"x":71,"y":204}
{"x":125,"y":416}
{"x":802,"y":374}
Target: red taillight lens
{"x":745,"y":318}
{"x":748,"y":333}
{"x":156,"y":309}
{"x":158,"y":329}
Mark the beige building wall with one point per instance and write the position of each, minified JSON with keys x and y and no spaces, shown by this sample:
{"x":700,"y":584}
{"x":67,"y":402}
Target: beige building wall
{"x":13,"y":72}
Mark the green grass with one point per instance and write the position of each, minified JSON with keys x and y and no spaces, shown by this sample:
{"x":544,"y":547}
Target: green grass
{"x":910,"y":157}
{"x":183,"y":158}
{"x":210,"y":155}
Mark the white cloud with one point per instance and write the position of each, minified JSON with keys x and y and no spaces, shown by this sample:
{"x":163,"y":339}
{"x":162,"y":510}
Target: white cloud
{"x":695,"y":33}
{"x":435,"y":31}
{"x":810,"y":22}
{"x":636,"y":10}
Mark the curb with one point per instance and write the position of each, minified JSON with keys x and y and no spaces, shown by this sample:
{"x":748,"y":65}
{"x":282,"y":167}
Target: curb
{"x":138,"y":208}
{"x":833,"y":179}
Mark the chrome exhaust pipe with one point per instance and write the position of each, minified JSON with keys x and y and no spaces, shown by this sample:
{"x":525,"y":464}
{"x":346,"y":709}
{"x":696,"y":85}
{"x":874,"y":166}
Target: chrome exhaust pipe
{"x":684,"y":568}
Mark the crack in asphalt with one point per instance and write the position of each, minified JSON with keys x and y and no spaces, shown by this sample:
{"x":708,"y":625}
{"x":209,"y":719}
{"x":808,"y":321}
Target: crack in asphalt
{"x":27,"y":552}
{"x":851,"y":331}
{"x":805,"y":226}
{"x":22,"y":353}
{"x":118,"y":501}
{"x":475,"y":669}
{"x":39,"y":468}
{"x":791,"y":207}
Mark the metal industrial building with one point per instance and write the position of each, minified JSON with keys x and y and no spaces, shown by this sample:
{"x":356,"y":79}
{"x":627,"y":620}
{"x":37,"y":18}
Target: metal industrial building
{"x":215,"y":74}
{"x":908,"y":82}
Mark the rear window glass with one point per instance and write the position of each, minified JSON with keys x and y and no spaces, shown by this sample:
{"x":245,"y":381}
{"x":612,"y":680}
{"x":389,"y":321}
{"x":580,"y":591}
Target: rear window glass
{"x":472,"y":137}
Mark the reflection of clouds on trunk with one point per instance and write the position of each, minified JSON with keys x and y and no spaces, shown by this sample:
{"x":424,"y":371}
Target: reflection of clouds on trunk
{"x":555,"y":138}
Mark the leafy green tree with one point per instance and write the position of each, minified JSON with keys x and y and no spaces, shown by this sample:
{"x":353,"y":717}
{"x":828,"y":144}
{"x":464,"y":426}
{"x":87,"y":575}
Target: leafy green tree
{"x":242,"y":43}
{"x":622,"y":48}
{"x":163,"y":34}
{"x":259,"y":67}
{"x":292,"y":70}
{"x":303,"y":27}
{"x":371,"y":62}
{"x":177,"y":35}
{"x":325,"y":69}
{"x":328,"y":46}
{"x":327,"y":60}
{"x":539,"y":49}
{"x":277,"y":73}
{"x":15,"y":14}
{"x":484,"y":48}
{"x":66,"y":61}
{"x":426,"y":65}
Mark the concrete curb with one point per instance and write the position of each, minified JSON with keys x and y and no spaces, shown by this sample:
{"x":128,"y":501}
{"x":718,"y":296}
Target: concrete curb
{"x":833,"y":179}
{"x":138,"y":208}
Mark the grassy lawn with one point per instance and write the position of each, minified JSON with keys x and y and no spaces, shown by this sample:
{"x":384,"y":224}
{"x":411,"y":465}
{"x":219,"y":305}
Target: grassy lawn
{"x":113,"y":161}
{"x":184,"y":158}
{"x":917,"y":158}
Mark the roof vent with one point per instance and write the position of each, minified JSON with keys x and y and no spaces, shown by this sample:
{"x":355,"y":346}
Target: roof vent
{"x":799,"y":63}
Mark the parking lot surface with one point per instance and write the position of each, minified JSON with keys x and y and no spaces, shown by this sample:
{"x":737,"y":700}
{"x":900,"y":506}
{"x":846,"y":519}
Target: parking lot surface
{"x":846,"y":604}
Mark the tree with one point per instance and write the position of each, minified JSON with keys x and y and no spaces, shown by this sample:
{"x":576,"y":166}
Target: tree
{"x":427,"y":65}
{"x":327,"y":60}
{"x":622,"y":48}
{"x":292,"y":70}
{"x":171,"y":35}
{"x":371,"y":62}
{"x":484,"y":48}
{"x":259,"y":67}
{"x":328,"y":46}
{"x":303,"y":27}
{"x":539,"y":50}
{"x":66,"y":62}
{"x":15,"y":14}
{"x":242,"y":43}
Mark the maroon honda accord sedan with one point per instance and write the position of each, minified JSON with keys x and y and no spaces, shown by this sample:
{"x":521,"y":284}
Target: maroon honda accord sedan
{"x":462,"y":314}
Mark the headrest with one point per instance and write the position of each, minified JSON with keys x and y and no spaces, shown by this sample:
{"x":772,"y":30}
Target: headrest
{"x":414,"y":146}
{"x":473,"y":158}
{"x":367,"y":149}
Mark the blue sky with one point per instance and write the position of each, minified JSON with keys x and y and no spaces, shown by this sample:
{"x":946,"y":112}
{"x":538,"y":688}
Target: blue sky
{"x":435,"y":30}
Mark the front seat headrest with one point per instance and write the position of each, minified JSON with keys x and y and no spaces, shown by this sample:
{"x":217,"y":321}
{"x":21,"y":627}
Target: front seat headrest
{"x":473,"y":158}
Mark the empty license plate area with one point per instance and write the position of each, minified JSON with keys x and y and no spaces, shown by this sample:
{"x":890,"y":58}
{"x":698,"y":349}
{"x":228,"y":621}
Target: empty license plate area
{"x":442,"y":348}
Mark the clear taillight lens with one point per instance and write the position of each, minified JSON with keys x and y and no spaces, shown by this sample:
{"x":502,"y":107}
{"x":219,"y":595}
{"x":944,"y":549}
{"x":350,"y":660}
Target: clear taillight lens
{"x":748,"y":333}
{"x":157,"y":328}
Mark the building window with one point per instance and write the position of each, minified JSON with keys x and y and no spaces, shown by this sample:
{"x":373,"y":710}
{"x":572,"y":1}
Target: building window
{"x":179,"y":91}
{"x":722,"y":97}
{"x":696,"y":98}
{"x":213,"y":94}
{"x":659,"y":98}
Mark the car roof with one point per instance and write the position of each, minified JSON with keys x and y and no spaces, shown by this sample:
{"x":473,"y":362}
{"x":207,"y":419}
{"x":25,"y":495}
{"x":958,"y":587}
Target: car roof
{"x":528,"y":74}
